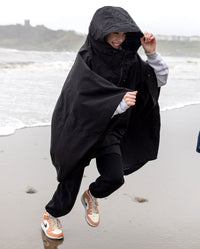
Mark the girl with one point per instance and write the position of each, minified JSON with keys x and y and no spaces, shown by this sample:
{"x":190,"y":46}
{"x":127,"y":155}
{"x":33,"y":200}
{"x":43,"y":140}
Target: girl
{"x":97,"y":115}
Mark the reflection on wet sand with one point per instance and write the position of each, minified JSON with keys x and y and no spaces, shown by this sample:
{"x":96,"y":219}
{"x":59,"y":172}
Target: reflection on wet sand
{"x":50,"y":243}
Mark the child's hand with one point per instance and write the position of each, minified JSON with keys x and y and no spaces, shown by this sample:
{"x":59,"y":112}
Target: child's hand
{"x":130,"y":98}
{"x":148,"y":42}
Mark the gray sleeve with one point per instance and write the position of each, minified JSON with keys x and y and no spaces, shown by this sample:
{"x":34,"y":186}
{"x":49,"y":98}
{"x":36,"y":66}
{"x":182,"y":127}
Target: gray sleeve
{"x":160,"y":67}
{"x":161,"y":71}
{"x":122,"y":107}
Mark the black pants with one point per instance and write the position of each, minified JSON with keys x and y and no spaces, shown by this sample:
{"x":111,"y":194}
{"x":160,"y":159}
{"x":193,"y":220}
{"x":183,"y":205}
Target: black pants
{"x":111,"y":177}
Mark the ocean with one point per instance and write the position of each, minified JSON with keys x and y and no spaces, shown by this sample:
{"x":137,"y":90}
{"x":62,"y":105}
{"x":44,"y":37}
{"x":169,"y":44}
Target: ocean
{"x":31,"y":81}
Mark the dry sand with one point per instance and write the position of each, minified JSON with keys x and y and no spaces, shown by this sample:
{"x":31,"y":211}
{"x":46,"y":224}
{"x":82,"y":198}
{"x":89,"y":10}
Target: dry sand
{"x":167,"y":216}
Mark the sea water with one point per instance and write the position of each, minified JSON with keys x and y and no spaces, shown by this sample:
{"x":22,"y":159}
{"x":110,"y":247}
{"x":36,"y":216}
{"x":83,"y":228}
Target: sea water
{"x":31,"y":81}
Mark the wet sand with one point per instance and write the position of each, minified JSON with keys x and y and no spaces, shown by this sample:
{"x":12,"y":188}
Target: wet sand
{"x":157,"y":208}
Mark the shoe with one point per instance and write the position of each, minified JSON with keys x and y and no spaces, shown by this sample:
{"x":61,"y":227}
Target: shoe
{"x":91,"y":209}
{"x":52,"y":227}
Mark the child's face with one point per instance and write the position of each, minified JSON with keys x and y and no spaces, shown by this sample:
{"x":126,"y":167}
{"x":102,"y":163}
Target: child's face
{"x":115,"y":39}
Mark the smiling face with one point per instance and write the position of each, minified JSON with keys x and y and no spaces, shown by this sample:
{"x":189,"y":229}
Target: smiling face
{"x":115,"y":39}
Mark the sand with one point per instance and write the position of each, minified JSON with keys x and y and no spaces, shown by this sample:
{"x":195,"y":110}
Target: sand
{"x":158,"y":207}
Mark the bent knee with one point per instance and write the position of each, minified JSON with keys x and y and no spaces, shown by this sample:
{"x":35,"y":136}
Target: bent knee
{"x":117,"y":181}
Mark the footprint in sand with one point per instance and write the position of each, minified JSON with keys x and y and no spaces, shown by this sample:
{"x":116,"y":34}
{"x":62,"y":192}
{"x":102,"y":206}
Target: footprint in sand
{"x":137,"y":199}
{"x":31,"y":190}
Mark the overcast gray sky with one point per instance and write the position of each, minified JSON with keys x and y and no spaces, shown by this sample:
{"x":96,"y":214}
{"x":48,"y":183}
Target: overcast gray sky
{"x":169,"y":17}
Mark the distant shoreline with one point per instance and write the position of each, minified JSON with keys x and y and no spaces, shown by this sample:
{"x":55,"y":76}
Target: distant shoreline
{"x":40,"y":38}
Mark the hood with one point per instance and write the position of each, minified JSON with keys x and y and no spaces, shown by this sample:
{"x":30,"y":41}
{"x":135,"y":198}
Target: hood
{"x":115,"y":19}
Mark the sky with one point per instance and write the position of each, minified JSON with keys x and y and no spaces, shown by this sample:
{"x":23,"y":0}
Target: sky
{"x":170,"y":17}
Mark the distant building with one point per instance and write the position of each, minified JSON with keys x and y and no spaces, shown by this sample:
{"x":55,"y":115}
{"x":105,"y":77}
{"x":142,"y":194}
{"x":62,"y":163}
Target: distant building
{"x":27,"y":23}
{"x":195,"y":38}
{"x":177,"y":38}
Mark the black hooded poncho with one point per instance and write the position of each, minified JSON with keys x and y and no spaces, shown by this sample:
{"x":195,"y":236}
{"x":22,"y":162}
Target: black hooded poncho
{"x":100,"y":77}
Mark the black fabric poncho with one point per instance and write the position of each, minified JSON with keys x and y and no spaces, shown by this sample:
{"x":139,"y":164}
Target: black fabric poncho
{"x":92,"y":91}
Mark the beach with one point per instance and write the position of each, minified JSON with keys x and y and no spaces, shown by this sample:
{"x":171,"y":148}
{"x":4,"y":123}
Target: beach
{"x":156,"y":208}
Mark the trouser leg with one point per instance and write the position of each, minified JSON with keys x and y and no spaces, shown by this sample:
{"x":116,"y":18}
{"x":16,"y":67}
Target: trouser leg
{"x":65,"y":195}
{"x":111,"y":177}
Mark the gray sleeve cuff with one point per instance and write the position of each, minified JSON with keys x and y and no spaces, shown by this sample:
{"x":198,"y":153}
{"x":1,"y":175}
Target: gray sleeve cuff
{"x":122,"y":107}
